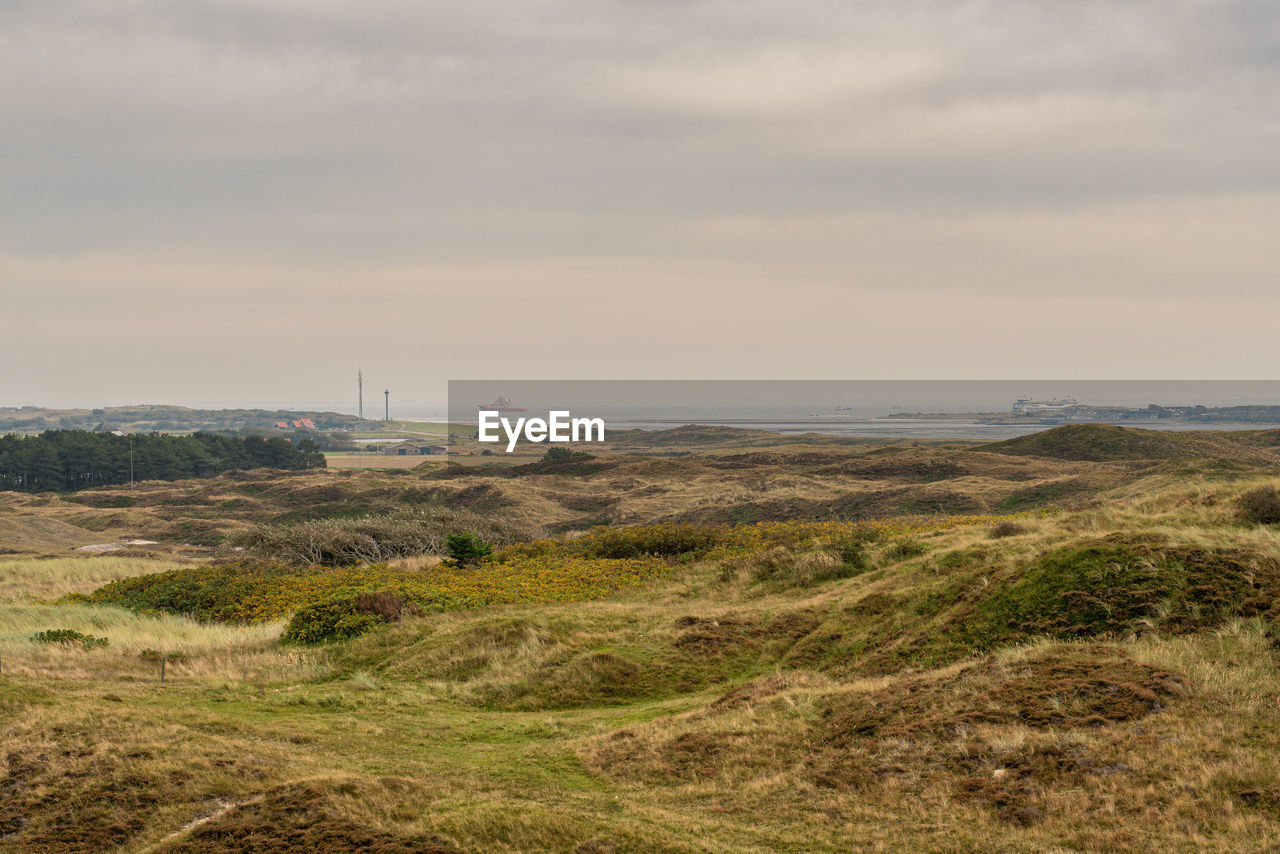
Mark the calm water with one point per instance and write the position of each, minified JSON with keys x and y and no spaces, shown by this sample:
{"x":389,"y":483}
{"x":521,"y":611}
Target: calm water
{"x":910,"y":429}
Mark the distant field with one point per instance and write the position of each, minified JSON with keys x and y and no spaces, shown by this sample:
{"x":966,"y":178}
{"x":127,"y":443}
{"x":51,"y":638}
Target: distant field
{"x":375,"y":461}
{"x":407,"y":429}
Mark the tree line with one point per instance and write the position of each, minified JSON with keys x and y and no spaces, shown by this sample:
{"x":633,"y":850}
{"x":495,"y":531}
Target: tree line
{"x":60,"y":460}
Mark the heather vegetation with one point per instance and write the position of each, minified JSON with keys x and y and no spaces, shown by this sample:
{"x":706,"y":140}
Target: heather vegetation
{"x":69,"y":637}
{"x":375,"y":538}
{"x":1260,"y":506}
{"x":1099,"y":676}
{"x":260,"y":592}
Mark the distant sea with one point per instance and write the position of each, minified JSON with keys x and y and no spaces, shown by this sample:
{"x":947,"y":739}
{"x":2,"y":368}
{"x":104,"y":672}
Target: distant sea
{"x":798,"y":406}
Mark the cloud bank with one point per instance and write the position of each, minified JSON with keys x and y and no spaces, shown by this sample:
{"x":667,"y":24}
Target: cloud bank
{"x":240,"y":200}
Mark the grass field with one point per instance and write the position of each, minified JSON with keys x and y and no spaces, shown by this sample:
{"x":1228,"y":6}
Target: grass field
{"x":375,"y":461}
{"x":45,"y":579}
{"x":407,"y":429}
{"x":1098,"y":678}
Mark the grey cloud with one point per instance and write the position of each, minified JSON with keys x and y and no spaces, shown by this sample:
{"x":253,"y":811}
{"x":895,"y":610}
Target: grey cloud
{"x":915,"y":145}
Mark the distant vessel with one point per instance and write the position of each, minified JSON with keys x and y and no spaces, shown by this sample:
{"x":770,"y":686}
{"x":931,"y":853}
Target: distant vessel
{"x":1030,"y":406}
{"x":844,"y":409}
{"x":502,"y":404}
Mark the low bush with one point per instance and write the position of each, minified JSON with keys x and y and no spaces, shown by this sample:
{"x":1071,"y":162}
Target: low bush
{"x":253,"y":593}
{"x":68,"y":637}
{"x":782,"y":566}
{"x":851,"y":551}
{"x":377,"y":538}
{"x":342,"y":617}
{"x":1006,"y":529}
{"x":388,"y":606}
{"x":1116,"y":586}
{"x":564,"y":455}
{"x":1260,"y":506}
{"x":689,"y":542}
{"x":658,"y":540}
{"x":662,"y":540}
{"x":906,"y":548}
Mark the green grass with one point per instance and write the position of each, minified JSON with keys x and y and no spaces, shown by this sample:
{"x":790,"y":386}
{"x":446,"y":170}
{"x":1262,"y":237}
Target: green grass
{"x":957,"y":693}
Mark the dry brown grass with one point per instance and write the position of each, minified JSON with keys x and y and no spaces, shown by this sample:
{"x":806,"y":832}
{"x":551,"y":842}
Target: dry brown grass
{"x":374,"y":461}
{"x":713,"y":712}
{"x":206,"y":650}
{"x":44,"y":579}
{"x":34,"y":532}
{"x":778,"y":478}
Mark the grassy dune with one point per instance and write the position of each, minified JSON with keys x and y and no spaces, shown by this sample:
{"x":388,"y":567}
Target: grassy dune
{"x":697,"y":475}
{"x":30,"y":532}
{"x":29,"y":586}
{"x":1102,"y":678}
{"x":40,"y":579}
{"x":205,"y":649}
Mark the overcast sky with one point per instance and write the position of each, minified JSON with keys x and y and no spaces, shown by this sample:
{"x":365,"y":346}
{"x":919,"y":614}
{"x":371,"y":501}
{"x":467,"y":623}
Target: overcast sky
{"x":240,"y":201}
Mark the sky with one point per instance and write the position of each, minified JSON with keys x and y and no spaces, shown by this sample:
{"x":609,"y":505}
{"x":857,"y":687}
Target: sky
{"x":235,"y":203}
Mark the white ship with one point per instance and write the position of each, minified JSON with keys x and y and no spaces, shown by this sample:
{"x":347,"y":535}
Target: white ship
{"x":1031,"y":406}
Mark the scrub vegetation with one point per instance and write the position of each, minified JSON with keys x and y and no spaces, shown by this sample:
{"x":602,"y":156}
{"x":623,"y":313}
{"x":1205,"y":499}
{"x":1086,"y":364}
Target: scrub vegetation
{"x":1099,"y":675}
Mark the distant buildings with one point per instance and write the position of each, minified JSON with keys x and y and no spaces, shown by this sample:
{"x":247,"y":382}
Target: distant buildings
{"x":1071,"y":410}
{"x":413,"y":449}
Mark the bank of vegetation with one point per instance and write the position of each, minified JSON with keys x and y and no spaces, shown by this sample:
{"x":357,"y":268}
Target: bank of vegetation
{"x":60,"y":460}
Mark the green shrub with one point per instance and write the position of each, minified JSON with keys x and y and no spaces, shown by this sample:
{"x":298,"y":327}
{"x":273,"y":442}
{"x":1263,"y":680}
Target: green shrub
{"x":667,"y":541}
{"x":342,"y":618}
{"x":905,"y":548}
{"x":249,"y":592}
{"x":375,"y":538}
{"x":68,"y":637}
{"x":1117,"y":587}
{"x":229,"y":593}
{"x":1260,"y":506}
{"x":466,"y":549}
{"x":851,"y":551}
{"x":564,"y":455}
{"x":782,"y":566}
{"x":1006,"y":529}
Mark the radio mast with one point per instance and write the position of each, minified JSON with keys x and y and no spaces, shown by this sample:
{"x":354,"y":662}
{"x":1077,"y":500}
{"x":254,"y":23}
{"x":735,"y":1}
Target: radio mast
{"x":360,"y":386}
